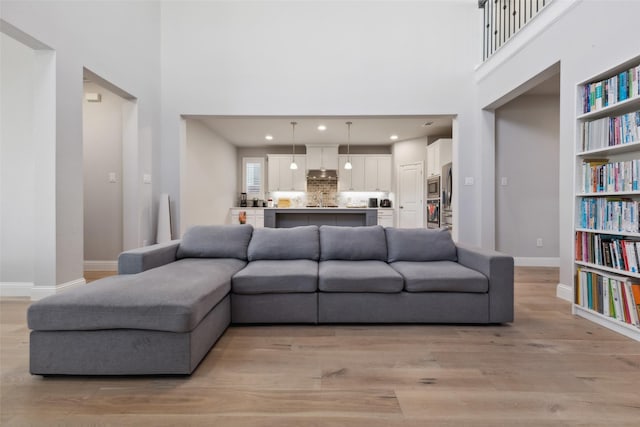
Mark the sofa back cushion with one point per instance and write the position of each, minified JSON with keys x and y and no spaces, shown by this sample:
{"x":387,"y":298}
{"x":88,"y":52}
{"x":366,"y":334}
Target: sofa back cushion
{"x":285,"y":243}
{"x":352,"y":243}
{"x":420,"y":244}
{"x":215,"y":241}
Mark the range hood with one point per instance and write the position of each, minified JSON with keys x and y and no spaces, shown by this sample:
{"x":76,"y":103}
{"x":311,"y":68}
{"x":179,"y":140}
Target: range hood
{"x":322,"y":174}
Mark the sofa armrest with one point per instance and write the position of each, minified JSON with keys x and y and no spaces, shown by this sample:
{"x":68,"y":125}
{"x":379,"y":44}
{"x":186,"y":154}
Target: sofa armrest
{"x":498,"y":267}
{"x":148,"y":257}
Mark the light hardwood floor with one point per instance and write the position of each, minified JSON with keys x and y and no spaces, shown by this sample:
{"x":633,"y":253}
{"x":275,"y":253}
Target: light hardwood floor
{"x":547,"y":368}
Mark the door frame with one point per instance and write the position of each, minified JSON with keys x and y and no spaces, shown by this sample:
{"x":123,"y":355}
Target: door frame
{"x":421,"y":195}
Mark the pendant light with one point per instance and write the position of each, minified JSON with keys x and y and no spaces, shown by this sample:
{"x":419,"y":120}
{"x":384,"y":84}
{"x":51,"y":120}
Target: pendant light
{"x":293,"y":165}
{"x":348,"y":165}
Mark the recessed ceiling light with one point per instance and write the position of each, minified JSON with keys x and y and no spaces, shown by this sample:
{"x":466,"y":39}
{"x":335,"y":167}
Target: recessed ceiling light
{"x":268,"y":137}
{"x":393,"y":137}
{"x":322,"y":128}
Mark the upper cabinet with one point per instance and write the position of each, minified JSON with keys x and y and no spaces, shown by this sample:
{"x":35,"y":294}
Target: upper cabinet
{"x":368,"y":173}
{"x":351,"y":179}
{"x":439,"y":153}
{"x":377,"y":173}
{"x":281,"y":177}
{"x":322,"y":157}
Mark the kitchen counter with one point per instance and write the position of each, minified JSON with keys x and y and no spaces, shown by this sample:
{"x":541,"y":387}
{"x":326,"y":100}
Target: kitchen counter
{"x":294,"y":217}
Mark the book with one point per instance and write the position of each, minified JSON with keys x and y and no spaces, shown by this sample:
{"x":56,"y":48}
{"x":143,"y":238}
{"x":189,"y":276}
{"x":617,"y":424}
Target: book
{"x":635,"y":290}
{"x":631,"y":305}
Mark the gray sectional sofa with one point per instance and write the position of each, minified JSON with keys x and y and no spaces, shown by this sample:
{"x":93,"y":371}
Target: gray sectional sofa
{"x":171,"y":302}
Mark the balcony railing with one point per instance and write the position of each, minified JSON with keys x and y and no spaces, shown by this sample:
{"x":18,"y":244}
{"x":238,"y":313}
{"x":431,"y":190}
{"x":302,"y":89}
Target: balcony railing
{"x":504,"y":18}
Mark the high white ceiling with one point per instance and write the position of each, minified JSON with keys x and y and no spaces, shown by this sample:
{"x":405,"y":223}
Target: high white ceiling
{"x":250,"y":131}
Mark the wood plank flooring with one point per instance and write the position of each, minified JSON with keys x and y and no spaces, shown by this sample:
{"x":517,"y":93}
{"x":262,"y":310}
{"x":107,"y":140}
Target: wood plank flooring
{"x":547,"y":368}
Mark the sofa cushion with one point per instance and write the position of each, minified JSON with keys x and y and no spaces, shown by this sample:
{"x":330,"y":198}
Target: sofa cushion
{"x":358,"y":276}
{"x":215,"y":241}
{"x":285,"y":243}
{"x":173,"y":298}
{"x":352,"y":243}
{"x":440,"y":276}
{"x":420,"y":244}
{"x":276,"y":277}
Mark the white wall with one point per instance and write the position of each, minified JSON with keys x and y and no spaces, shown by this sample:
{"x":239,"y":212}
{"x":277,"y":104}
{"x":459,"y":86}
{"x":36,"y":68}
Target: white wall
{"x":280,"y":58}
{"x":584,"y":49}
{"x":527,"y":156}
{"x":17,"y":167}
{"x":120,"y":41}
{"x":102,"y":155}
{"x":209,"y":185}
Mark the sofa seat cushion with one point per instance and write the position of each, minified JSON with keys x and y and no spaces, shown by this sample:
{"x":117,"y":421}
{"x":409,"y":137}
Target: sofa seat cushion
{"x":277,"y":277}
{"x":440,"y":276}
{"x":173,"y":298}
{"x":358,"y":276}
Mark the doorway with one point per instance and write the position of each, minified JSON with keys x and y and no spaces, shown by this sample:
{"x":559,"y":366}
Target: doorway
{"x":410,"y":189}
{"x":110,"y":165}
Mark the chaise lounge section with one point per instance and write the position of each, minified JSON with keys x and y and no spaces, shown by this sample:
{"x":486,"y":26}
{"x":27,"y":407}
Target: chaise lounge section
{"x":172,"y":302}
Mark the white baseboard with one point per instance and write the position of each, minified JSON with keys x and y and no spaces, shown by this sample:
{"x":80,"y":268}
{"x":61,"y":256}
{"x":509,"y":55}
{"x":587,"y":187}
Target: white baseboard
{"x":536,"y":261}
{"x":39,"y":292}
{"x":101,"y":266}
{"x":564,"y":292}
{"x":15,"y":289}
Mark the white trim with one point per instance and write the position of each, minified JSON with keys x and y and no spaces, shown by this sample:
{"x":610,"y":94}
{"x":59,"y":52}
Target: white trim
{"x":536,"y":261}
{"x":39,"y":292}
{"x":564,"y":292}
{"x":538,"y":24}
{"x":15,"y":289}
{"x":101,"y":266}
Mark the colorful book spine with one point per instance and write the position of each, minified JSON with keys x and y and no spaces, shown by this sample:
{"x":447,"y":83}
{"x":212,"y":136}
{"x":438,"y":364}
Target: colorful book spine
{"x":607,"y":92}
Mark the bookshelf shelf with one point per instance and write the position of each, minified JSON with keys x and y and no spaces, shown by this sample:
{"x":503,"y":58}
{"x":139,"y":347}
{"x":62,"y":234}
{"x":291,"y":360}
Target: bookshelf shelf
{"x":608,"y":322}
{"x":607,"y":127}
{"x":609,"y":194}
{"x":611,"y":110}
{"x":614,"y":149}
{"x":609,"y":270}
{"x":609,"y":232}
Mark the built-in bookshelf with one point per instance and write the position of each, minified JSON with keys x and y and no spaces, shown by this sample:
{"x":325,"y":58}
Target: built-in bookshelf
{"x":607,"y":199}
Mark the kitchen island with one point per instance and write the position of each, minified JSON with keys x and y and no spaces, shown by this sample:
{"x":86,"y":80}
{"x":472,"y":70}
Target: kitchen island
{"x":294,"y":217}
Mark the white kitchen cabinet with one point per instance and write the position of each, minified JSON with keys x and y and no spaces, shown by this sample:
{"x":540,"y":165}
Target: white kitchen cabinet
{"x":377,"y":175}
{"x":439,"y":153}
{"x":385,"y":217}
{"x":254,"y":216}
{"x":281,"y":177}
{"x":322,"y":157}
{"x":300,"y":175}
{"x":351,"y":179}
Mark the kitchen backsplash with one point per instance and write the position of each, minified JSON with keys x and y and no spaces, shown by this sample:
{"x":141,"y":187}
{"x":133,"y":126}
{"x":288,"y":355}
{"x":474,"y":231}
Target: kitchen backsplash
{"x":329,"y":190}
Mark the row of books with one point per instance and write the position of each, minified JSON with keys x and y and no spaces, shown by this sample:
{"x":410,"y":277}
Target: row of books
{"x":608,"y":251}
{"x":604,"y":93}
{"x":610,"y":131}
{"x":608,"y":214}
{"x":600,"y":175}
{"x":612,"y":296}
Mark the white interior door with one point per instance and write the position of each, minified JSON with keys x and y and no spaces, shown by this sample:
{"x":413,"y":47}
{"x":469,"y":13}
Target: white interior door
{"x":410,"y":209}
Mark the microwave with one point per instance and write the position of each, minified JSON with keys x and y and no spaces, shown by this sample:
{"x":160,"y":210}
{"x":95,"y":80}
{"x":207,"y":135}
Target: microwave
{"x":433,"y":187}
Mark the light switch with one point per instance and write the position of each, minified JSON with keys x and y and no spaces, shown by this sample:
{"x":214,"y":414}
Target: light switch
{"x":468,"y":180}
{"x":504,"y":181}
{"x":146,"y":178}
{"x":112,"y":177}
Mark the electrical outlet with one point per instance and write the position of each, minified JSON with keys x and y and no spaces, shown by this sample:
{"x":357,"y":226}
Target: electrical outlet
{"x":504,"y":181}
{"x":539,"y":242}
{"x":112,"y":177}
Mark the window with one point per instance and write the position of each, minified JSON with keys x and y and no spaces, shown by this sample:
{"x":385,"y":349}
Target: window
{"x":253,"y":177}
